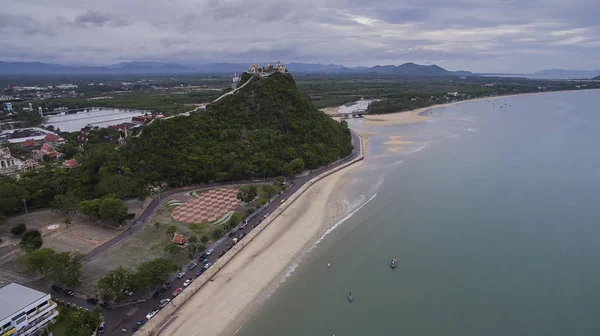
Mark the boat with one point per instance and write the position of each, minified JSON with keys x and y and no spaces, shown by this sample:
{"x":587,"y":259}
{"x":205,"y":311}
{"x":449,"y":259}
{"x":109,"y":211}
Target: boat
{"x":393,"y":263}
{"x":350,"y":297}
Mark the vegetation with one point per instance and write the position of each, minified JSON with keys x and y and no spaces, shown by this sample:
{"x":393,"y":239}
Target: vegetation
{"x":18,"y":229}
{"x":112,"y":284}
{"x":247,"y":193}
{"x":75,"y":322}
{"x":64,"y":268}
{"x":31,"y":240}
{"x":149,"y":273}
{"x":108,"y":208}
{"x":257,"y":132}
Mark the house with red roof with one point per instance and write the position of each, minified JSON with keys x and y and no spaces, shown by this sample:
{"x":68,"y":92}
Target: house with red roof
{"x":53,"y":138}
{"x":28,"y":143}
{"x":179,"y":239}
{"x":48,"y":150}
{"x":69,"y":164}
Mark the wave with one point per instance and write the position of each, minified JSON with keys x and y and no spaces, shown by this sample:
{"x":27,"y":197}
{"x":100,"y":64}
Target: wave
{"x":340,"y":222}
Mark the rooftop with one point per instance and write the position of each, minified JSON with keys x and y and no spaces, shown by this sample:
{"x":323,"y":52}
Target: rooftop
{"x":15,"y":297}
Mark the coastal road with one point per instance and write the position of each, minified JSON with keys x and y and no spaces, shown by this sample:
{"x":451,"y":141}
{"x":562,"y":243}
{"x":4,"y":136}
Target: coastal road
{"x":121,"y":320}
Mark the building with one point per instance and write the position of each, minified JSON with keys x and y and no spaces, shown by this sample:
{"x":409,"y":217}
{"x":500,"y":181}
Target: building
{"x":179,"y":239}
{"x":49,"y":151}
{"x":24,"y":311}
{"x":9,"y":165}
{"x":54,"y":139}
{"x":69,"y":164}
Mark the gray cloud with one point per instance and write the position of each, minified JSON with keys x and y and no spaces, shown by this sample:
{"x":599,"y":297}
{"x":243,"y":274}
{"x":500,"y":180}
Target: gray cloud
{"x":491,"y":35}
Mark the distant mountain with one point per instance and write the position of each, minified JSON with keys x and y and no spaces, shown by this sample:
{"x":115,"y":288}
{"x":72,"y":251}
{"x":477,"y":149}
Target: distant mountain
{"x":415,"y":70}
{"x":141,"y":68}
{"x":596,"y":78}
{"x":587,"y":73}
{"x":36,"y":68}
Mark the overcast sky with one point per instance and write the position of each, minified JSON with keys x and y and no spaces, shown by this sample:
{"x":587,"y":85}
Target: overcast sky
{"x":478,"y":35}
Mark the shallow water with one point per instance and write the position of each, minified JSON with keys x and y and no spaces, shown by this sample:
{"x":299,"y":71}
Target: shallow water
{"x":492,"y":213}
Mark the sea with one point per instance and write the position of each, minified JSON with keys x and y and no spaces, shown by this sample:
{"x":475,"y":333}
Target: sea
{"x":492,"y":213}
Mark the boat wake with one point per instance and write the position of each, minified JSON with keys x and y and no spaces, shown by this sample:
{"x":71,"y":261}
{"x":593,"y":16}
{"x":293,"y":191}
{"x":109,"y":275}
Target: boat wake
{"x":340,"y":222}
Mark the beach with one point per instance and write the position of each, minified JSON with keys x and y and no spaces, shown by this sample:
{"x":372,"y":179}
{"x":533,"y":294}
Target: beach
{"x":219,"y":307}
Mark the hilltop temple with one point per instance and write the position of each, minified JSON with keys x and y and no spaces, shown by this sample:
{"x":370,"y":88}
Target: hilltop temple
{"x":257,"y":70}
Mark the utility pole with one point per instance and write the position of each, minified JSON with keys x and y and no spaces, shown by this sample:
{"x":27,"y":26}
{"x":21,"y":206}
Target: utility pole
{"x":25,"y":204}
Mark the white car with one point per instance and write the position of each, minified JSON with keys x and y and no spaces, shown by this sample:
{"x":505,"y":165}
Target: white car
{"x":187,"y":282}
{"x":266,"y":215}
{"x":209,"y":252}
{"x":207,"y":265}
{"x":164,"y":302}
{"x":180,"y":274}
{"x":152,"y":313}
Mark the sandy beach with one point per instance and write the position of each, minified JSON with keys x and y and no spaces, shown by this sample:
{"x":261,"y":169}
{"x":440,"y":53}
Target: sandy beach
{"x":218,"y":308}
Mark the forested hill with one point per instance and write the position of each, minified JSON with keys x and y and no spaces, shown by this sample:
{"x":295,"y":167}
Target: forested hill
{"x":268,"y":128}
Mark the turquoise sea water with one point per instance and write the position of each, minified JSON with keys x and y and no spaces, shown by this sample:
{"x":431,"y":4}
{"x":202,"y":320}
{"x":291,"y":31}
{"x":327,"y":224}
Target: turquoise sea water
{"x":494,"y":214}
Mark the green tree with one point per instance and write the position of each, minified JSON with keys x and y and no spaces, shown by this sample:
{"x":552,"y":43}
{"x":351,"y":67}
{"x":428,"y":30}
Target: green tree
{"x":269,"y":190}
{"x":11,"y":196}
{"x":112,"y":209}
{"x":31,"y":240}
{"x":67,"y":269}
{"x":247,"y":193}
{"x":297,"y":165}
{"x":83,"y":322}
{"x":90,"y":208}
{"x":217,"y":233}
{"x":173,"y":250}
{"x":63,"y":268}
{"x":193,"y":239}
{"x":18,"y":229}
{"x":157,"y":224}
{"x":68,"y":222}
{"x":170,"y":230}
{"x":112,"y":284}
{"x":154,"y":272}
{"x":65,"y":202}
{"x":204,"y":239}
{"x":40,"y":261}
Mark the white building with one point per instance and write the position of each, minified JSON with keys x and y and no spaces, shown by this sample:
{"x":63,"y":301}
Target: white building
{"x":24,"y":311}
{"x":9,"y":165}
{"x":67,"y":86}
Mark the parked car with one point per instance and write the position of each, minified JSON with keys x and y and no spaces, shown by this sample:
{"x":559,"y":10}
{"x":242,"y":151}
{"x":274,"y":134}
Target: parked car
{"x":231,"y":234}
{"x":91,"y":300}
{"x":205,"y":260}
{"x":187,"y":282}
{"x":192,"y":266}
{"x":177,"y":291}
{"x":222,"y":253}
{"x":198,"y":272}
{"x":56,"y":288}
{"x":243,"y":226}
{"x":167,"y":285}
{"x":164,"y":302}
{"x":207,"y":265}
{"x":152,"y":313}
{"x":209,"y":252}
{"x":138,"y":325}
{"x":101,"y":328}
{"x":68,"y":292}
{"x":180,"y":274}
{"x":106,"y":305}
{"x":242,"y":235}
{"x":266,"y":215}
{"x":127,"y":292}
{"x":159,"y":292}
{"x":228,"y":246}
{"x":202,"y":256}
{"x":235,"y":240}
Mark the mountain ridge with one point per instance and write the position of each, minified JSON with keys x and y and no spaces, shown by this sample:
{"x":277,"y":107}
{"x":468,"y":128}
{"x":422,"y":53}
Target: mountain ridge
{"x":141,"y":68}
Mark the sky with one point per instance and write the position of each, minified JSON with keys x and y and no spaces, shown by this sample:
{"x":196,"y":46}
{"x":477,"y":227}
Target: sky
{"x":510,"y":36}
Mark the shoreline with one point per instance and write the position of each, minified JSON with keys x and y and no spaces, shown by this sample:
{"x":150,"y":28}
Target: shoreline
{"x":221,"y":306}
{"x":223,"y":301}
{"x":416,"y":115}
